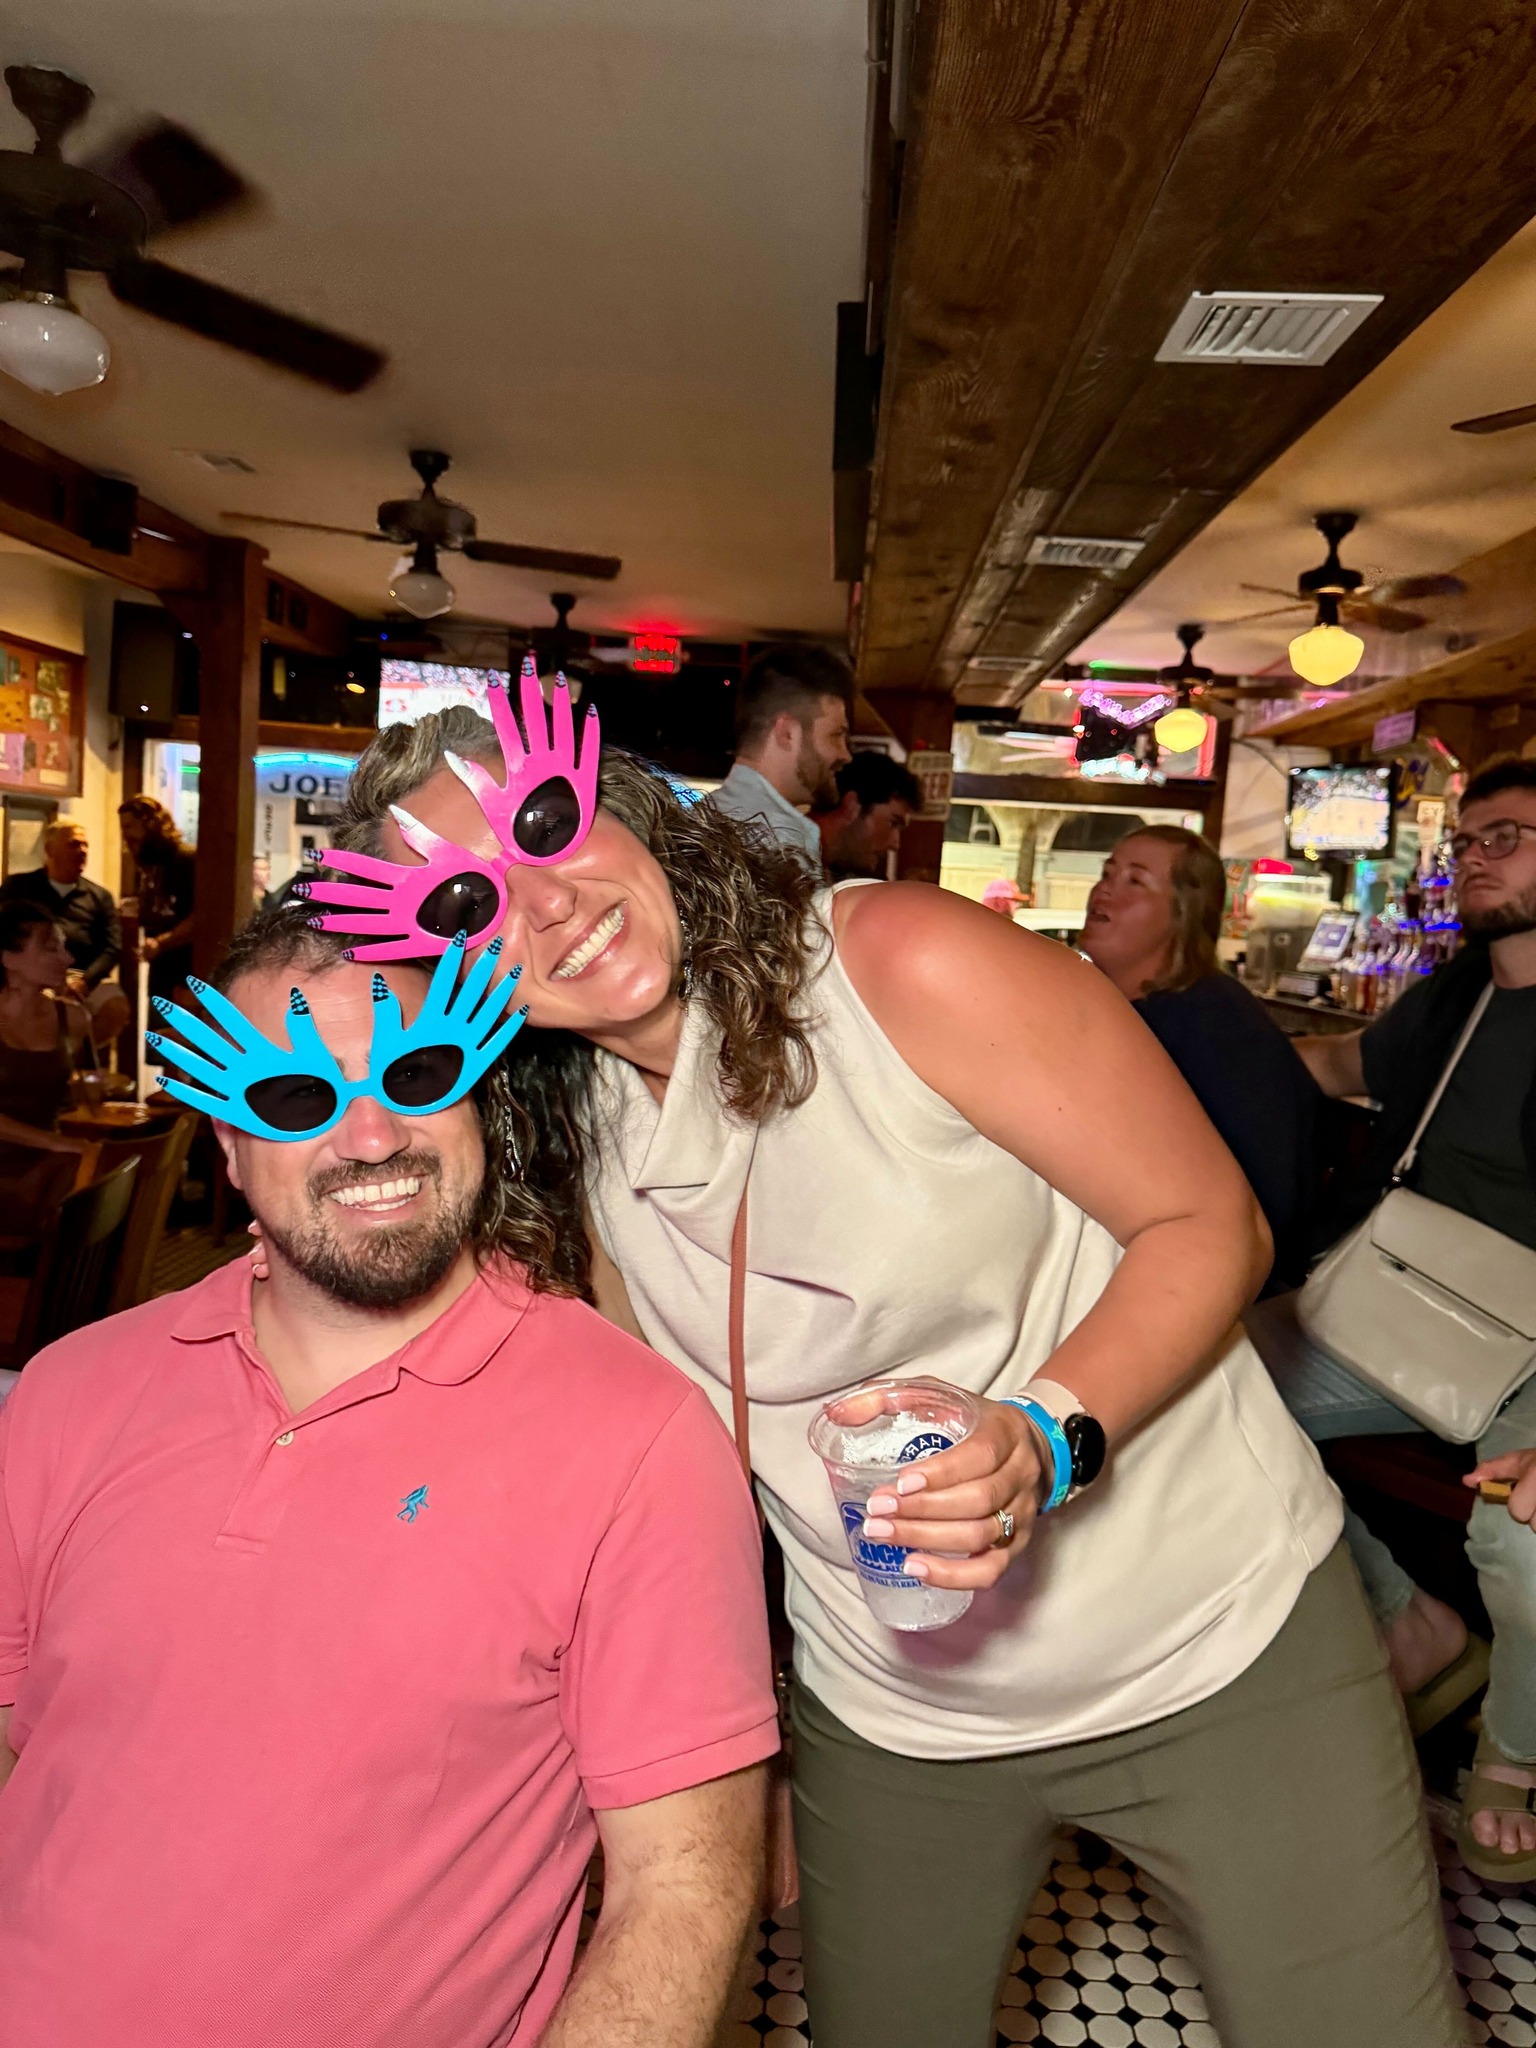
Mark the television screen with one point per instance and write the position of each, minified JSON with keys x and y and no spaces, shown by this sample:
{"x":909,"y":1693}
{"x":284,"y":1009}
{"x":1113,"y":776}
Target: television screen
{"x":1340,"y":810}
{"x":408,"y":690}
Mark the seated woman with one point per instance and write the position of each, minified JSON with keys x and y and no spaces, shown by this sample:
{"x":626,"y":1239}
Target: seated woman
{"x":43,"y":1038}
{"x":1153,"y":921}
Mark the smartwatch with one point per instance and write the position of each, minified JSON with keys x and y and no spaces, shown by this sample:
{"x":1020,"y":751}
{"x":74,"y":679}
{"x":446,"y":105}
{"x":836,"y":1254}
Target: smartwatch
{"x":1075,"y":1441}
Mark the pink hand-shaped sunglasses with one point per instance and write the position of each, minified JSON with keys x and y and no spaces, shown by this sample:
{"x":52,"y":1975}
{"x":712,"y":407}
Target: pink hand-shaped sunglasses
{"x":541,"y":814}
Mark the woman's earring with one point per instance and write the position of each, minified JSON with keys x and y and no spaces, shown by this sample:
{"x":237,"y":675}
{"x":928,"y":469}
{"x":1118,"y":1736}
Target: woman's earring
{"x":685,"y":965}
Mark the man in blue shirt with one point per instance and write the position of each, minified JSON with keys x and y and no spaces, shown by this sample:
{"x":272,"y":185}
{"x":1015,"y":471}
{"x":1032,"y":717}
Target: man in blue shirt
{"x":791,"y":739}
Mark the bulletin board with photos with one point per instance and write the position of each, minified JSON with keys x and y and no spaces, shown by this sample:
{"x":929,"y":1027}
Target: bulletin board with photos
{"x":42,"y":718}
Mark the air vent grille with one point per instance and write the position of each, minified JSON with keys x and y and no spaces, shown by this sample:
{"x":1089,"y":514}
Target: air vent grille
{"x":1298,"y":330}
{"x":1063,"y":551}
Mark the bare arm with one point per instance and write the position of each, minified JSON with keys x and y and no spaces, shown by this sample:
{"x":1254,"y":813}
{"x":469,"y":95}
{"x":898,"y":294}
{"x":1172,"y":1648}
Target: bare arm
{"x":1037,"y":1050}
{"x":681,"y":1883}
{"x":15,"y":1132}
{"x":1333,"y":1060}
{"x":7,"y":1754}
{"x":167,"y":942}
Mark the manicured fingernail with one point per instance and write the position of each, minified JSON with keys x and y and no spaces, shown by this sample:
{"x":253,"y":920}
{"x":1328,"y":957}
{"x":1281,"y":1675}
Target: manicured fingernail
{"x":879,"y":1532}
{"x":881,"y":1504}
{"x":912,"y":1482}
{"x":916,"y":1568}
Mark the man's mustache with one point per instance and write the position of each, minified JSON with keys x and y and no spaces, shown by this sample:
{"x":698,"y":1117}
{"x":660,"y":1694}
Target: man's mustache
{"x":416,"y":1165}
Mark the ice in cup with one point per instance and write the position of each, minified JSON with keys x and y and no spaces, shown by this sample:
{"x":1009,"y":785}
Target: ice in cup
{"x":863,"y":1437}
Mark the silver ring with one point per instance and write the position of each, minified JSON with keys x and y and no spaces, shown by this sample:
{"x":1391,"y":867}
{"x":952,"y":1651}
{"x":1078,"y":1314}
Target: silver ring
{"x":1005,"y":1524}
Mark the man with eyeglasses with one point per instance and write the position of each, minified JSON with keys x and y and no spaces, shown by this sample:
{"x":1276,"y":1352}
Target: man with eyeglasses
{"x":1478,"y":1155}
{"x":343,"y":1610}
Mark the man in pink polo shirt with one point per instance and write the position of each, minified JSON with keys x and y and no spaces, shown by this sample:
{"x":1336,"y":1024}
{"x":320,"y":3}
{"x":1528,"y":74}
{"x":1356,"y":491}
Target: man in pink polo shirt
{"x":342,"y":1612}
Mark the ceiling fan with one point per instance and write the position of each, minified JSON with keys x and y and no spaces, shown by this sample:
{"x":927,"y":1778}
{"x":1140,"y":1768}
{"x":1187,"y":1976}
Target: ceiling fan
{"x":427,"y":526}
{"x":1337,"y":592}
{"x":1218,"y":694}
{"x":1496,"y":422}
{"x":58,"y":217}
{"x":565,"y":650}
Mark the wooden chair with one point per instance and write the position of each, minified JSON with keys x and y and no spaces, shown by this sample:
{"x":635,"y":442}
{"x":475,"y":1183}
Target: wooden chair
{"x":76,"y":1268}
{"x":161,"y":1158}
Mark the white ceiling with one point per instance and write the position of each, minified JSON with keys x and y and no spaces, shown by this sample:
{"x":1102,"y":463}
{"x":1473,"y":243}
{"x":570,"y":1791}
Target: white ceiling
{"x":602,"y":242}
{"x":1428,"y":498}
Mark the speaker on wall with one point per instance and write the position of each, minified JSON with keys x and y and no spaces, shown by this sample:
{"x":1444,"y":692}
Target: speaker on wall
{"x":154,"y":664}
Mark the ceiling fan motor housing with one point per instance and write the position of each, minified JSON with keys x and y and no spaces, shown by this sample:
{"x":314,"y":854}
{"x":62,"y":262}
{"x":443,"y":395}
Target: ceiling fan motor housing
{"x":427,"y":518}
{"x":1331,"y":578}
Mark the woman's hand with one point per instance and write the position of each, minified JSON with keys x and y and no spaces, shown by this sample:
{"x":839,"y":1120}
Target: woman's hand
{"x":945,"y":1507}
{"x":148,"y":948}
{"x":1516,"y":1466}
{"x":257,"y":1255}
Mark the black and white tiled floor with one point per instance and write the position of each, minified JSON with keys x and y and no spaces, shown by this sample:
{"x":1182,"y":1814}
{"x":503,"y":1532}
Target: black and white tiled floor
{"x":1100,"y":1964}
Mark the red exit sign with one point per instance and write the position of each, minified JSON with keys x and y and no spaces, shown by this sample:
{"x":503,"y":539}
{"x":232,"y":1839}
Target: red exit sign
{"x":655,"y":653}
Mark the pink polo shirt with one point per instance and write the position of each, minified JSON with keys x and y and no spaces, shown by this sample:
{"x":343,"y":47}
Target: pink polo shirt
{"x":312,"y":1711}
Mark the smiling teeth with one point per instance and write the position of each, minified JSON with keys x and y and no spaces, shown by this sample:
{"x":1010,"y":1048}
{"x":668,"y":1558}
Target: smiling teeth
{"x":376,"y":1191}
{"x":584,"y":954}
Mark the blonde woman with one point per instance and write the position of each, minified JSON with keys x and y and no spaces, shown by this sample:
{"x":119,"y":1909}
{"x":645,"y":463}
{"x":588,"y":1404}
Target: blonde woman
{"x":1154,"y":917}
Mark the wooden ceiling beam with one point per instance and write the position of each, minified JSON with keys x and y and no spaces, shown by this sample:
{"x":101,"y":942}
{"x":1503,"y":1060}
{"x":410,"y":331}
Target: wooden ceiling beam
{"x":54,"y":503}
{"x":1075,"y":169}
{"x":48,"y":500}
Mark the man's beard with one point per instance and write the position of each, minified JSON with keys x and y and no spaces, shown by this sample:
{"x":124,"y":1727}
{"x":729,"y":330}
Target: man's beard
{"x":1502,"y":920}
{"x":816,"y":776}
{"x":389,"y":1267}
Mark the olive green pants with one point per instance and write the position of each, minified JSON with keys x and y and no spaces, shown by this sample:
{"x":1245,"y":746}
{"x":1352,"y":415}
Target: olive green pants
{"x":1280,"y":1820}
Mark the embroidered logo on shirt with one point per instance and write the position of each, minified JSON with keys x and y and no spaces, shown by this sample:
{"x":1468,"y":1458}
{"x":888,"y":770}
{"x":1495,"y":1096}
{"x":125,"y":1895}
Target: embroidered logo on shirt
{"x":412,"y":1504}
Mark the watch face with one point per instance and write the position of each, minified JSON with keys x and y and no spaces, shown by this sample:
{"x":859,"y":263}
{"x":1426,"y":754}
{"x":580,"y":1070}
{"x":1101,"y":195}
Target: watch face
{"x":1088,"y":1444}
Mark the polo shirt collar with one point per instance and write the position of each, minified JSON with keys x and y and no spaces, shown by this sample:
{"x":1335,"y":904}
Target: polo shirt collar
{"x":464,"y":1339}
{"x":757,"y":789}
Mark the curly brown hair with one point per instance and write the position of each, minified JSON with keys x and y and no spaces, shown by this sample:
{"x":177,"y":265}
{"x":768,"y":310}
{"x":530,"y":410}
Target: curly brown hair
{"x":751,"y":948}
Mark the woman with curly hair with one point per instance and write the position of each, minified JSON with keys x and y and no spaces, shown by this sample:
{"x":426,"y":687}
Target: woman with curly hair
{"x":965,"y":1157}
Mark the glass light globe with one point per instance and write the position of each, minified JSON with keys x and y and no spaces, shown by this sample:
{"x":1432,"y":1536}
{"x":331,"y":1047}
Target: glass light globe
{"x":1326,"y":654}
{"x":1180,"y":730}
{"x":48,"y":346}
{"x":423,"y":593}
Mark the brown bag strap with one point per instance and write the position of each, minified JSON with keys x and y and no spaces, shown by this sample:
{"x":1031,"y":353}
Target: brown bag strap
{"x":740,"y":1421}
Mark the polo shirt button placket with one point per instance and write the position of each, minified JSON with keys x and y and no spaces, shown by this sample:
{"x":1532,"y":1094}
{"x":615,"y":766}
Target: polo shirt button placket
{"x":286,"y":1437}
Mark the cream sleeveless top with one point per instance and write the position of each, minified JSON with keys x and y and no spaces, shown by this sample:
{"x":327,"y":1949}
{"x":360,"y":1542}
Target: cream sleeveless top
{"x":886,"y":1235}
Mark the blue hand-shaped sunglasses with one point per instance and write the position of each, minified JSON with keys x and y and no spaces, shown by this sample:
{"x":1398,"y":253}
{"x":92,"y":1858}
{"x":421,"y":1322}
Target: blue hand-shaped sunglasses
{"x":298,"y":1091}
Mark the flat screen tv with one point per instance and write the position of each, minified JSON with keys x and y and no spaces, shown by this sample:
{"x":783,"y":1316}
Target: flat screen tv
{"x":1341,"y":809}
{"x":408,"y":690}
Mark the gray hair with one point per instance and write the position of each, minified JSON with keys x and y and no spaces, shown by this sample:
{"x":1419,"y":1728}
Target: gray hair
{"x":399,"y":761}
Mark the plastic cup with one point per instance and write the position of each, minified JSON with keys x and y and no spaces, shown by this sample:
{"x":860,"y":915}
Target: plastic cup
{"x":863,"y":1437}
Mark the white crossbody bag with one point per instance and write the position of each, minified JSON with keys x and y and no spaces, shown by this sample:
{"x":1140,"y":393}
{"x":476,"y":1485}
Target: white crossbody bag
{"x":1429,"y":1307}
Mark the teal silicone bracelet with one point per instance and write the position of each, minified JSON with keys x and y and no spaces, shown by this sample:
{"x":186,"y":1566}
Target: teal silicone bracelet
{"x":1056,"y":1437}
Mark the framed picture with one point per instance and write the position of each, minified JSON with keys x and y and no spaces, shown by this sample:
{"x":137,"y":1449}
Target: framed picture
{"x":42,"y":719}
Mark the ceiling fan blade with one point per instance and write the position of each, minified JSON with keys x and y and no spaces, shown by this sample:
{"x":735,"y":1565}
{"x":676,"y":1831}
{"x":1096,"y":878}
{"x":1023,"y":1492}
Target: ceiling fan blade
{"x":1386,"y":618}
{"x":175,"y":178}
{"x":1269,"y":590}
{"x":1496,"y":422}
{"x":305,"y":526}
{"x":245,"y":324}
{"x":1416,"y":589}
{"x":1250,"y":618}
{"x":556,"y":561}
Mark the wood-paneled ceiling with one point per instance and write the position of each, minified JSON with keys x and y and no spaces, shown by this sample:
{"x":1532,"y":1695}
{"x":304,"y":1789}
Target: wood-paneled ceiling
{"x":1075,"y":169}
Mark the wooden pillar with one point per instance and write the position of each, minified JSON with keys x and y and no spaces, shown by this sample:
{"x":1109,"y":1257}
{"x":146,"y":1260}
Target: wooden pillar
{"x":924,"y":721}
{"x":1221,"y":767}
{"x":226,"y":622}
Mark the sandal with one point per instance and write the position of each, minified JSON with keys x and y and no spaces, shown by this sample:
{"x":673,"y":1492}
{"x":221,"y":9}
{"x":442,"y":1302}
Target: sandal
{"x":1448,"y":1689}
{"x":1493,"y":1795}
